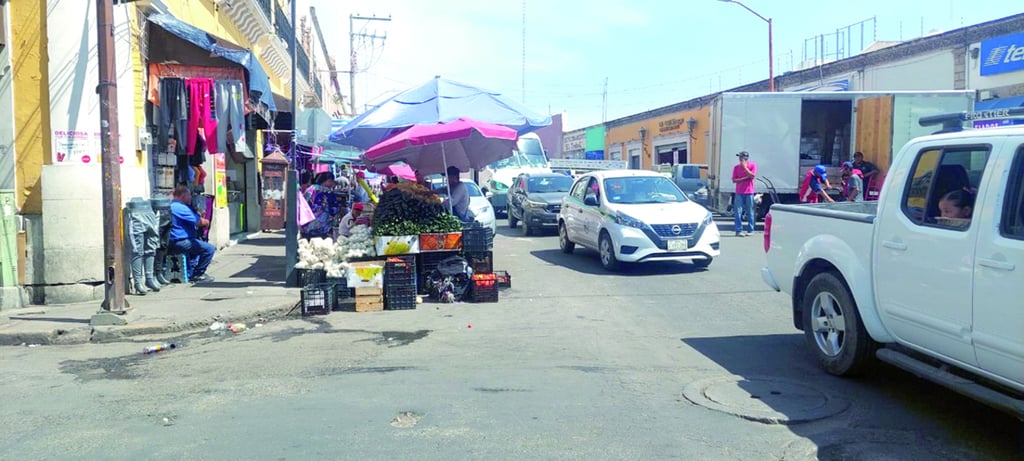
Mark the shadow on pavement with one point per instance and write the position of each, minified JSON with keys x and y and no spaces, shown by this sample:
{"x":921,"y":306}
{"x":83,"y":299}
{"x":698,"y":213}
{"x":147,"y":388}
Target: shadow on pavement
{"x":888,"y":413}
{"x":587,"y":261}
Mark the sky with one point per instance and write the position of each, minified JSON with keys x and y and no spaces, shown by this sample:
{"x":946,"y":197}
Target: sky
{"x":652,"y":53}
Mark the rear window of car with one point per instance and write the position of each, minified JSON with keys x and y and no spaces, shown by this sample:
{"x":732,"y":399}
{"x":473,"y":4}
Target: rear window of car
{"x":543,"y":184}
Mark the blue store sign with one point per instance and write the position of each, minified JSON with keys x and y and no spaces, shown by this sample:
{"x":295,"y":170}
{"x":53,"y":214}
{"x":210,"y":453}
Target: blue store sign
{"x":1002,"y":54}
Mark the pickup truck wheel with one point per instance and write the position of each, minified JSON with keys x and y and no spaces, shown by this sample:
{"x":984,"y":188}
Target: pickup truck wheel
{"x":512,"y":221}
{"x":833,"y":328}
{"x":563,"y":239}
{"x":607,"y":250}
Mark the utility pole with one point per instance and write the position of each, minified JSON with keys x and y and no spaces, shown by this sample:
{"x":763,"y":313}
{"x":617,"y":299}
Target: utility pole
{"x":114,"y":305}
{"x":353,"y":58}
{"x":604,"y":103}
{"x":291,"y":226}
{"x":524,"y":52}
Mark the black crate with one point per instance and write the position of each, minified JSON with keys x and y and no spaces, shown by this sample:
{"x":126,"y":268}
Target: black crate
{"x":477,"y":239}
{"x":504,"y":279}
{"x":341,"y":295}
{"x":400,"y":297}
{"x":310,"y":276}
{"x":481,"y":262}
{"x":317,"y":299}
{"x":400,"y":264}
{"x":483,"y":294}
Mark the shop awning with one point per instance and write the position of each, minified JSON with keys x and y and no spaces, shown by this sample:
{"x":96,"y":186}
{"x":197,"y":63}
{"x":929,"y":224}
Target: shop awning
{"x":999,"y":103}
{"x":258,"y":82}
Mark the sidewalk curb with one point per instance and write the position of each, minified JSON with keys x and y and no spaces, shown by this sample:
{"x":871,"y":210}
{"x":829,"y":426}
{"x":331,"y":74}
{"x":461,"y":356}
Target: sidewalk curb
{"x":109,"y":334}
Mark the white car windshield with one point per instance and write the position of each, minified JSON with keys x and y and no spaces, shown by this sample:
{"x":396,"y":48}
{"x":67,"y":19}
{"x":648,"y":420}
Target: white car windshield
{"x":642,"y":189}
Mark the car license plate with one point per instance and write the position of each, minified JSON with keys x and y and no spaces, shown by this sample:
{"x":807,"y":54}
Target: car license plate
{"x":678,"y":245}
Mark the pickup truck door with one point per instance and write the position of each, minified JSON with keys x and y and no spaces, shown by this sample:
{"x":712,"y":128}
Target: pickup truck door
{"x":999,"y":274}
{"x":923,"y":264}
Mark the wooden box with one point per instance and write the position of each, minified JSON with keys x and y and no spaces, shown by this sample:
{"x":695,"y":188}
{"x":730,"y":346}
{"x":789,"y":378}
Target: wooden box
{"x":369,"y":299}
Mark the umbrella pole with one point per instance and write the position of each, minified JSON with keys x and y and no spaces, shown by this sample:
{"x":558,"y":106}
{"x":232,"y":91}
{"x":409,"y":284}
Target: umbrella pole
{"x":447,"y":182}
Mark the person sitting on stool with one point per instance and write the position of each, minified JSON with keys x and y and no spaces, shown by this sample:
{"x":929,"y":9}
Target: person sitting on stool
{"x":184,"y":225}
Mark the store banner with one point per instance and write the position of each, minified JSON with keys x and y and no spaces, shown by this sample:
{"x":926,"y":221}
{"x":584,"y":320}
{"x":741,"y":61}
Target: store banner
{"x":1002,"y":54}
{"x":220,"y":178}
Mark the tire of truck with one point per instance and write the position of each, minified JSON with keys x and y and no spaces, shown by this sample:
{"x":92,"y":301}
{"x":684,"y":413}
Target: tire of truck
{"x":833,"y":328}
{"x":762,"y":209}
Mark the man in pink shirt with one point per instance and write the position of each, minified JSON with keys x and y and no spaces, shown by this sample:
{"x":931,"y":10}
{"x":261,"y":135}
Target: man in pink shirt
{"x":743,"y":176}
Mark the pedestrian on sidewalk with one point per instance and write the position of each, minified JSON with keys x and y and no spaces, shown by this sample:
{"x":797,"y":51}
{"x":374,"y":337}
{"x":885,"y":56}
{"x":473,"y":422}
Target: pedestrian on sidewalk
{"x":185,"y":223}
{"x":743,"y":175}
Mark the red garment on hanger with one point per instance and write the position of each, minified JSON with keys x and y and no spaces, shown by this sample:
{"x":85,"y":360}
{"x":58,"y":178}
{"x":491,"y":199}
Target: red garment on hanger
{"x":201,"y":122}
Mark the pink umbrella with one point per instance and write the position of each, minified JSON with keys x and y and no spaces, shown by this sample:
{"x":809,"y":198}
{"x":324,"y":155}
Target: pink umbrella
{"x":463,"y":143}
{"x":401,"y":170}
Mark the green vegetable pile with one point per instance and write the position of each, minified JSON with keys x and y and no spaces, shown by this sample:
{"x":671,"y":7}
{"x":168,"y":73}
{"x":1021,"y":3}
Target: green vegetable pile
{"x":412,"y":210}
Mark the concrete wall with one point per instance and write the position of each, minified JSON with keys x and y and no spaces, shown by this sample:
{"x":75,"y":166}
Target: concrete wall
{"x":72,"y":218}
{"x":930,"y":71}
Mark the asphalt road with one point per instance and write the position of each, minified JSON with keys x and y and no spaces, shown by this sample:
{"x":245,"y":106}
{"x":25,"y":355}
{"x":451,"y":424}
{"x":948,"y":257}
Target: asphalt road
{"x":572,"y":363}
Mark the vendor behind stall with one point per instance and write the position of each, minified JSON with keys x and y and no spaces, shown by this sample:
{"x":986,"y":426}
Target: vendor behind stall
{"x":324,"y":204}
{"x":349,"y":221}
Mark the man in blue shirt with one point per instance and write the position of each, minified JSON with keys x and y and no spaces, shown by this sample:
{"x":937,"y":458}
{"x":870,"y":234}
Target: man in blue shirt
{"x":184,"y":226}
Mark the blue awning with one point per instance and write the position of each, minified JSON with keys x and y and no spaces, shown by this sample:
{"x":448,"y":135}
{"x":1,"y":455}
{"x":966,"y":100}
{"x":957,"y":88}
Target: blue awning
{"x":999,"y":103}
{"x":259,"y":82}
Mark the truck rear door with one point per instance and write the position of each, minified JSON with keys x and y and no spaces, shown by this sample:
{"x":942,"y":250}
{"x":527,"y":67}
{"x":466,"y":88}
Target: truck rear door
{"x":998,"y":278}
{"x":923,"y":262}
{"x":874,"y":129}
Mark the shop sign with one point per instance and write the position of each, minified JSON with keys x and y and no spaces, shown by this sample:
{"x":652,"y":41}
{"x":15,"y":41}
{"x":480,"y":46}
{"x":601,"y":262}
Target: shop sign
{"x":573,"y":142}
{"x":1002,"y":54}
{"x":671,"y":124}
{"x":77,"y":147}
{"x":220,"y":180}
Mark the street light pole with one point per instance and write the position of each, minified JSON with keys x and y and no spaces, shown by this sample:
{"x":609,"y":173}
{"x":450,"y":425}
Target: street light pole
{"x":771,"y":57}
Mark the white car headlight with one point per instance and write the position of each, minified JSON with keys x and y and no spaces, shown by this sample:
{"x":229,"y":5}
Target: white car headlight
{"x":624,"y":219}
{"x":710,"y":218}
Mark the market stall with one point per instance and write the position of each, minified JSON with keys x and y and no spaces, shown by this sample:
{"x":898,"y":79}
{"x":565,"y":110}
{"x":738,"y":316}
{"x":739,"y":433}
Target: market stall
{"x":419,"y":246}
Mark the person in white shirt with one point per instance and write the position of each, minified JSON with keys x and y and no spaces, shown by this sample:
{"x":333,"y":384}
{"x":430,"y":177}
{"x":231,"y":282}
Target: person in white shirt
{"x":349,"y":220}
{"x":459,"y":195}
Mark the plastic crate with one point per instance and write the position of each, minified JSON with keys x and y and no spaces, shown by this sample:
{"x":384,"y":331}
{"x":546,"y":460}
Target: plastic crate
{"x":341,"y":295}
{"x":503,"y":278}
{"x":484,"y":291}
{"x":317,"y":299}
{"x":482,"y":263}
{"x":308,"y":277}
{"x":399,"y":266}
{"x":477,"y":239}
{"x":400,"y":298}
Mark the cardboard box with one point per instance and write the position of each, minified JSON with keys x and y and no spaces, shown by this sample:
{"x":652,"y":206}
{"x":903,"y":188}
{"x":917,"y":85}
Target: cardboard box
{"x":366,"y":274}
{"x":388,"y":245}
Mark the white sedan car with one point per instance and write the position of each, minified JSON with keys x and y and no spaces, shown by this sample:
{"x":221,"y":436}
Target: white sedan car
{"x":636,"y":216}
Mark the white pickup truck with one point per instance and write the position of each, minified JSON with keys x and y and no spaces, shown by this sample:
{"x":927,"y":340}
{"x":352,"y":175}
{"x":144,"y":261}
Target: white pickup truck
{"x":909,"y":280}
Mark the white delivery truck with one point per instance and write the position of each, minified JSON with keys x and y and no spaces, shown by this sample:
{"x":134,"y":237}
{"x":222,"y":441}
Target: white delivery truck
{"x":788,"y":133}
{"x":495,"y":179}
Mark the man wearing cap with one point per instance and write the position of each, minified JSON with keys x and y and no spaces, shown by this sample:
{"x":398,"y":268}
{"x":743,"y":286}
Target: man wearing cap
{"x":743,"y":175}
{"x":853,"y":185}
{"x":815,"y":186}
{"x":459,"y":195}
{"x":349,"y":220}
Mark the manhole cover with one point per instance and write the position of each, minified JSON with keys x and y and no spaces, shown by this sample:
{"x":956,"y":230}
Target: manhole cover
{"x":766,"y":400}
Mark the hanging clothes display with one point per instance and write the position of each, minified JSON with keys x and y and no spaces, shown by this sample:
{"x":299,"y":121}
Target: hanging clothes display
{"x":173,"y":115}
{"x":230,"y":111}
{"x":202,"y":125}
